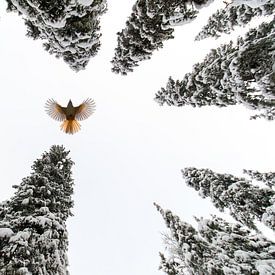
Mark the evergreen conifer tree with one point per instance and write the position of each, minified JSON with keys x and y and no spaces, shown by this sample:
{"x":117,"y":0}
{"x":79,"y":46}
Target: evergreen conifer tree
{"x":226,"y":19}
{"x":33,"y":234}
{"x":246,"y":202}
{"x":150,"y":23}
{"x":188,"y":250}
{"x":216,"y":248}
{"x":230,"y":75}
{"x":69,"y":28}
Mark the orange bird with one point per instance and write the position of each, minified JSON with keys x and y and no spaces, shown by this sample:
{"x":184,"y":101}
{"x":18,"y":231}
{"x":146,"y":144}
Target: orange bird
{"x":70,"y":114}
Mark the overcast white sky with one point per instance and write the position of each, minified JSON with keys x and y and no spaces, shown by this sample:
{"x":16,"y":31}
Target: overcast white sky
{"x":130,"y":152}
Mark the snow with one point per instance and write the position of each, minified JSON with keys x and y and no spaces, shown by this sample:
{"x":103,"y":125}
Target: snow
{"x":85,"y":2}
{"x":57,"y":24}
{"x":251,"y":3}
{"x":202,"y":225}
{"x":42,"y":221}
{"x":25,"y":201}
{"x":268,"y":217}
{"x":266,"y":267}
{"x":22,"y":235}
{"x":6,"y":232}
{"x":23,"y":271}
{"x":227,"y":270}
{"x":242,"y":256}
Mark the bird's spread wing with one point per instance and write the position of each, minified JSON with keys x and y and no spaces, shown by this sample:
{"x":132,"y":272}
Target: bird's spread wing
{"x":54,"y":110}
{"x":85,"y":109}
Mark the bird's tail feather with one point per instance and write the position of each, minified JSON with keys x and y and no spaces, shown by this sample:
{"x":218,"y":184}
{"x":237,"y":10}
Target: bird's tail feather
{"x":70,"y":126}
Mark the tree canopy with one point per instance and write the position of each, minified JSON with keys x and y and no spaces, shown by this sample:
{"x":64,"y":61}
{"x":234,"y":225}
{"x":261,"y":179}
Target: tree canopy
{"x":33,"y":234}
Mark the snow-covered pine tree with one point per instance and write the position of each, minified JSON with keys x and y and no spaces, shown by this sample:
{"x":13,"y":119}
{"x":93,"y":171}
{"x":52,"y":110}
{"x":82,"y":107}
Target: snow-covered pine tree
{"x":230,"y":75}
{"x":245,"y":201}
{"x":70,"y":29}
{"x":33,"y":234}
{"x":151,"y":22}
{"x":216,"y":248}
{"x":188,"y":250}
{"x":226,"y":19}
{"x":239,"y":251}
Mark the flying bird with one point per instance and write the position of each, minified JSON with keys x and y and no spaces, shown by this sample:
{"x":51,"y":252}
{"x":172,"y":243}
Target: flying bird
{"x":70,"y":115}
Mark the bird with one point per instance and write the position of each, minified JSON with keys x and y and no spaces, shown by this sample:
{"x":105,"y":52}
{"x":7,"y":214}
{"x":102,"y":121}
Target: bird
{"x":70,"y":115}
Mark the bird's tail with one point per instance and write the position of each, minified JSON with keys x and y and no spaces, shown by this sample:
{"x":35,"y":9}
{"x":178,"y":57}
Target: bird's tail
{"x":70,"y":126}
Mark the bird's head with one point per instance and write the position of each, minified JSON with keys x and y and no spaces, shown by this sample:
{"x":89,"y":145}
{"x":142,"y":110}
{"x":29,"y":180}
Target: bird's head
{"x":70,"y":104}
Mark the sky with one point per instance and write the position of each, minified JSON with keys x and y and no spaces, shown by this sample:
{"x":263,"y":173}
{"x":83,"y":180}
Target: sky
{"x":129,"y":153}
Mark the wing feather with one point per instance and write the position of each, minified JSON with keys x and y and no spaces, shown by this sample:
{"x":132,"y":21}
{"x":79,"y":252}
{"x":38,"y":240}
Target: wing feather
{"x":54,"y":110}
{"x":85,"y":109}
